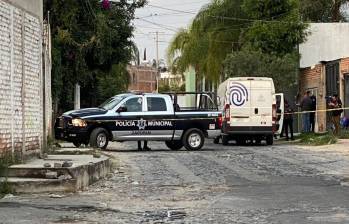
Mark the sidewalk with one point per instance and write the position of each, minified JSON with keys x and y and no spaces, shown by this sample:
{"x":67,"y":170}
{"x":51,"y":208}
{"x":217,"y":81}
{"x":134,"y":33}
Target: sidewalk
{"x":58,"y":173}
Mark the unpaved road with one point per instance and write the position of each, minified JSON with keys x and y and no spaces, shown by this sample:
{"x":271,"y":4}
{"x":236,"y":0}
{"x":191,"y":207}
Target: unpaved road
{"x":220,"y":184}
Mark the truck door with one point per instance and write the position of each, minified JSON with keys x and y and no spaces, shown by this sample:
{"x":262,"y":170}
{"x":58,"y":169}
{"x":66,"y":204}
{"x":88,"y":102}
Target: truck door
{"x":238,"y":95}
{"x":129,"y":120}
{"x":158,"y":117}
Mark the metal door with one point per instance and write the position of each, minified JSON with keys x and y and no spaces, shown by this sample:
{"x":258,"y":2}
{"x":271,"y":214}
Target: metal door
{"x":346,"y":95}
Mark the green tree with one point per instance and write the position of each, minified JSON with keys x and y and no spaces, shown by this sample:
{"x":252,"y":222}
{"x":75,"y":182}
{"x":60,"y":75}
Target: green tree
{"x":270,"y":47}
{"x":255,"y":63}
{"x":277,"y":28}
{"x":91,"y":46}
{"x":322,"y":10}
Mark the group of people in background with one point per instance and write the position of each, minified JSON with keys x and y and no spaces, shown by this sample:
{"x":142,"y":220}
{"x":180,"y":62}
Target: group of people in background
{"x":308,"y":109}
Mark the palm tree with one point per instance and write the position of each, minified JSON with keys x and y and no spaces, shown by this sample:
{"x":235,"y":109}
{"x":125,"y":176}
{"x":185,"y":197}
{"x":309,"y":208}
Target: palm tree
{"x":211,"y":36}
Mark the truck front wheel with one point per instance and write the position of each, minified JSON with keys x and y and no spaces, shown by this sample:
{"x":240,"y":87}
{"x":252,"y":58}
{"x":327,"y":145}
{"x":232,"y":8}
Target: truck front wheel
{"x":174,"y":145}
{"x":193,"y":139}
{"x":99,"y":138}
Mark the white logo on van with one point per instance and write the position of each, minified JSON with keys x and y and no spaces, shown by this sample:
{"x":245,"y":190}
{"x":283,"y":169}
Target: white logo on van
{"x":238,"y":94}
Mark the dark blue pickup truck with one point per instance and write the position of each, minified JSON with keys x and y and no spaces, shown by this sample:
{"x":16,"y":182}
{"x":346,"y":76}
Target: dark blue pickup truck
{"x":135,"y":117}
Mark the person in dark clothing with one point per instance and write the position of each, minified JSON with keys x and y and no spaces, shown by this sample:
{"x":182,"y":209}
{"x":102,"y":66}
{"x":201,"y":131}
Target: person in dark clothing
{"x":336,"y":103}
{"x":306,"y":105}
{"x":145,"y":147}
{"x":312,"y":114}
{"x":288,"y":120}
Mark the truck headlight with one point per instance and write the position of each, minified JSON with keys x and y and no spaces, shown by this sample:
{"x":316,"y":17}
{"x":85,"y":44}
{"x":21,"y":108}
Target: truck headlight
{"x":77,"y":122}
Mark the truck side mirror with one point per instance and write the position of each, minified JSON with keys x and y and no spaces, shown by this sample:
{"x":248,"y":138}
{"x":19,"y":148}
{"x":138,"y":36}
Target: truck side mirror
{"x":121,"y":109}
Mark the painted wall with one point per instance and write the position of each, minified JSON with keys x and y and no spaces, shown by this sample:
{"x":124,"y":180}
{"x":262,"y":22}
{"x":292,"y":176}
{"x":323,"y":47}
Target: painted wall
{"x":34,"y":7}
{"x":21,"y":96}
{"x":326,"y":42}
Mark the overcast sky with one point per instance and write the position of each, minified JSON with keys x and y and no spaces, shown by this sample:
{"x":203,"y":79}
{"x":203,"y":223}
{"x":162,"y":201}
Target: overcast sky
{"x":166,"y":22}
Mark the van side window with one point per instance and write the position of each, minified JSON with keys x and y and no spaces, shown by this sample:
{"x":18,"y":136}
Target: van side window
{"x":156,"y":104}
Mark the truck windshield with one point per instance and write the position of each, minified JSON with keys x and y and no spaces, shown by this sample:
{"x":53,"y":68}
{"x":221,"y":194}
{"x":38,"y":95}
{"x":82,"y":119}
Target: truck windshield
{"x":112,"y":102}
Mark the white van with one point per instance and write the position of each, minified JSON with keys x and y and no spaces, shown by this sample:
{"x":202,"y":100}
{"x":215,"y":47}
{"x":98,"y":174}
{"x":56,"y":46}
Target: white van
{"x":249,"y":110}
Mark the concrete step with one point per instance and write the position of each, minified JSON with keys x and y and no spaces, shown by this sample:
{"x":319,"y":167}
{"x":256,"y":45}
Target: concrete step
{"x":85,"y":170}
{"x":40,"y":185}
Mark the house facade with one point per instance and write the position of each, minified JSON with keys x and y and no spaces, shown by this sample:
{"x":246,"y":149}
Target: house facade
{"x":143,"y":78}
{"x":324,"y":67}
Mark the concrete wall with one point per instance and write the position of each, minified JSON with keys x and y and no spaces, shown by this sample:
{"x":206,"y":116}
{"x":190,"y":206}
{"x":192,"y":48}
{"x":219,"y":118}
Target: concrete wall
{"x":21,"y":113}
{"x":326,"y":42}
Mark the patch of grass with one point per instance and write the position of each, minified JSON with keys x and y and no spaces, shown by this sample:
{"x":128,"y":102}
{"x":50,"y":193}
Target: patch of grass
{"x":344,"y":134}
{"x":5,"y":162}
{"x":318,"y":139}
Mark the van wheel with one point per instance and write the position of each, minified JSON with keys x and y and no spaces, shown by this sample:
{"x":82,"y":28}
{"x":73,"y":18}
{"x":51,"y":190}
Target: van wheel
{"x":193,"y":139}
{"x":174,"y":145}
{"x":240,"y":142}
{"x":225,"y":140}
{"x":270,"y":140}
{"x":99,"y":138}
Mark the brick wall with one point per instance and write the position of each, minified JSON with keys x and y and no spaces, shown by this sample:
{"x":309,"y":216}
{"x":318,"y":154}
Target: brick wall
{"x":314,"y":78}
{"x":21,"y":113}
{"x":142,"y":78}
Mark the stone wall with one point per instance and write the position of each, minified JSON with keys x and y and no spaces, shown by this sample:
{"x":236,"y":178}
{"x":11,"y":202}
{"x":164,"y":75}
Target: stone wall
{"x":21,"y":116}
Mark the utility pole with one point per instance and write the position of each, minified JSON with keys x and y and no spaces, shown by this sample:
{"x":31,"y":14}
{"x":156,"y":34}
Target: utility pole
{"x":157,"y":58}
{"x":157,"y":49}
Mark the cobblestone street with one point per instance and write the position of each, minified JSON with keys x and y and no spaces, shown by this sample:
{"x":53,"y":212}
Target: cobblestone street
{"x":219,"y":184}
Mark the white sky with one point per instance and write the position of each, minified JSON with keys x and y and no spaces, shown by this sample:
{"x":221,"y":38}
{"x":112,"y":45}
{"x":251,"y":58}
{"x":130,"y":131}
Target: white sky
{"x":167,"y":22}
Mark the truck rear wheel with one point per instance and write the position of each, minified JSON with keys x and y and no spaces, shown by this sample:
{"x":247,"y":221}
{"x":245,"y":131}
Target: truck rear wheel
{"x":270,"y":140}
{"x":174,"y":145}
{"x":99,"y":138}
{"x":225,"y":140}
{"x":193,"y":139}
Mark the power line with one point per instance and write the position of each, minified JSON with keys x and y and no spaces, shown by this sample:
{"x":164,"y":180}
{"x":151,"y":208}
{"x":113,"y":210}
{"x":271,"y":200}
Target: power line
{"x":161,"y":14}
{"x":221,"y":17}
{"x":174,"y":29}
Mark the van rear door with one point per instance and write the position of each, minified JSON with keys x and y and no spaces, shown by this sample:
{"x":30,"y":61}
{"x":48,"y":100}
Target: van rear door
{"x":239,"y":97}
{"x":261,"y":103}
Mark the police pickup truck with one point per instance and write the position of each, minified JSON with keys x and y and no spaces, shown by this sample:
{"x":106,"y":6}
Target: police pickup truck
{"x":136,"y":117}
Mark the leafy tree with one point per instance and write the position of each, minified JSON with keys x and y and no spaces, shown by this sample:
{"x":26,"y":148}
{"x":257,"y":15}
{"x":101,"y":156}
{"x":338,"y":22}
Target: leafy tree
{"x":262,"y":30}
{"x":322,"y":10}
{"x":91,"y":46}
{"x":270,"y":42}
{"x":277,"y":28}
{"x":255,"y":63}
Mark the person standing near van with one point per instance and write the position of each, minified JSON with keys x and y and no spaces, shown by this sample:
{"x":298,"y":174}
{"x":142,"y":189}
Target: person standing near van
{"x":288,"y":120}
{"x":336,"y":103}
{"x":306,"y":105}
{"x":312,"y":114}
